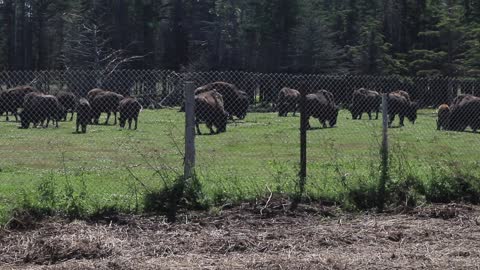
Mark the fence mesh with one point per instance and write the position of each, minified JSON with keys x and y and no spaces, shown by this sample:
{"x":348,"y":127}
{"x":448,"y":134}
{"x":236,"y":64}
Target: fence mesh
{"x":254,"y":121}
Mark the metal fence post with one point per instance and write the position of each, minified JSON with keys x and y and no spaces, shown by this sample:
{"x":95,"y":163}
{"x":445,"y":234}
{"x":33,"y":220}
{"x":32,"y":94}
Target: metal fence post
{"x":384,"y":153}
{"x":189,"y":163}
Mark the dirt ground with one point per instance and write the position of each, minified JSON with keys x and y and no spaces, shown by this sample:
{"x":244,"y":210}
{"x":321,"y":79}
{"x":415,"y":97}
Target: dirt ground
{"x":253,"y":236}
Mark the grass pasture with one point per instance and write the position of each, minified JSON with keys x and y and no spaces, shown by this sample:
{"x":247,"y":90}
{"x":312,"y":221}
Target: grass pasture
{"x":113,"y":167}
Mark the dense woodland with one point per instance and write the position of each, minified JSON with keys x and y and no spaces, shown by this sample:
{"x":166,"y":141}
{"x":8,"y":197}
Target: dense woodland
{"x":405,"y":37}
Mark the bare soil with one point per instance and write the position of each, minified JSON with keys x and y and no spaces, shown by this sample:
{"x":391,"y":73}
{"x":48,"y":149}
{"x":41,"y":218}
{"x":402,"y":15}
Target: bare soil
{"x":253,"y":236}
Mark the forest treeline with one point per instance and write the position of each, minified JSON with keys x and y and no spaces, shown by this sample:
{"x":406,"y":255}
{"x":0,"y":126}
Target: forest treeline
{"x":376,"y":37}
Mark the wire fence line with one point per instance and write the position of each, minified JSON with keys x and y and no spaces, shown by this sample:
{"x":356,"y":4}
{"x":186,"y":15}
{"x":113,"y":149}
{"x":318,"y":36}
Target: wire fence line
{"x":166,"y":87}
{"x":256,"y":118}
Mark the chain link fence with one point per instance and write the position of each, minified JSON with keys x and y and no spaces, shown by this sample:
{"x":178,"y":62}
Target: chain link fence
{"x":255,"y":125}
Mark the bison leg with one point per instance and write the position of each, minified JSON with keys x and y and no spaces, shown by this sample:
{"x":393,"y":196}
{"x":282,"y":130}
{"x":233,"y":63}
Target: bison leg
{"x":84,"y":128}
{"x":136,"y":121}
{"x":390,"y":120}
{"x":129,"y":123}
{"x":78,"y":125}
{"x":108,"y":117}
{"x":402,"y":117}
{"x":115,"y":118}
{"x":71,"y":117}
{"x":369,"y":115}
{"x":198,"y":128}
{"x":376,"y":116}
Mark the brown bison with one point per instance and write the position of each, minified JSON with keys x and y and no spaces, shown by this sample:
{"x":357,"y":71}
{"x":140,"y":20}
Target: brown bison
{"x":69,"y":102}
{"x":235,"y":101}
{"x":464,"y":112}
{"x":287,"y":101}
{"x":403,"y":93}
{"x":84,"y":115}
{"x":106,"y":102}
{"x":321,"y":105}
{"x":443,"y":115}
{"x":12,"y":99}
{"x":94,"y":92}
{"x":38,"y":107}
{"x":129,"y":109}
{"x":399,"y":104}
{"x":209,"y":108}
{"x":365,"y":101}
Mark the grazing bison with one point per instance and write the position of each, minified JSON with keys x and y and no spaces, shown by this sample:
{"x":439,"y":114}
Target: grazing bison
{"x":209,"y":108}
{"x":365,"y":101}
{"x":69,"y":103}
{"x":443,"y":114}
{"x":94,"y":92}
{"x":464,"y":112}
{"x":235,"y":101}
{"x":321,"y":105}
{"x":106,"y":102}
{"x":287,"y":101}
{"x":38,"y":107}
{"x":403,"y":93}
{"x":399,"y":104}
{"x":129,"y":109}
{"x":12,"y":99}
{"x":84,"y":114}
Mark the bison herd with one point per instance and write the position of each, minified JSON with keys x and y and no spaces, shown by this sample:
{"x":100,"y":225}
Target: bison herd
{"x":218,"y":102}
{"x":37,"y":108}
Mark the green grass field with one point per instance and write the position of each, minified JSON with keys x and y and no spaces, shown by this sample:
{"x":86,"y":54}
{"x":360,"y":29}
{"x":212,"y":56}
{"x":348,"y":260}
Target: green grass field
{"x":254,"y":156}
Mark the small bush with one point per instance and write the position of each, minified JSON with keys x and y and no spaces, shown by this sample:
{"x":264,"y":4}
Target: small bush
{"x":460,"y":187}
{"x":182,"y":194}
{"x":405,"y":192}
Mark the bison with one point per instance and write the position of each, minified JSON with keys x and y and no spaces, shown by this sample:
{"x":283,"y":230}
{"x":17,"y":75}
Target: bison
{"x":84,"y":115}
{"x":107,"y":102}
{"x":365,"y":101}
{"x":321,"y":105}
{"x":235,"y":101}
{"x":443,"y":115}
{"x":287,"y":101}
{"x":464,"y":112}
{"x":38,"y":107}
{"x":12,"y":99}
{"x":209,"y":108}
{"x":129,"y":109}
{"x":401,"y":105}
{"x":93,"y":93}
{"x":403,"y":93}
{"x":69,"y":103}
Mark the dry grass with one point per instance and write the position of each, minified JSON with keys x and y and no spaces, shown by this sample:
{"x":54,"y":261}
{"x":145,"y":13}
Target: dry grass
{"x":316,"y":237}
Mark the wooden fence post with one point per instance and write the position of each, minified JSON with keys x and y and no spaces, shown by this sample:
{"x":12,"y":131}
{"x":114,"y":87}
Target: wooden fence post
{"x":189,"y":162}
{"x":303,"y":147}
{"x":384,"y":153}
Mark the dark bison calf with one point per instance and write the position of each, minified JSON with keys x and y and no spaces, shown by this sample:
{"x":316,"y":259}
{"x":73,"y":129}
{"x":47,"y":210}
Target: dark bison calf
{"x":129,"y":109}
{"x":321,"y":105}
{"x":365,"y":101}
{"x":69,"y":103}
{"x":106,"y":102}
{"x":84,"y":115}
{"x":399,"y":104}
{"x":287,"y":101}
{"x":38,"y":107}
{"x":443,"y":115}
{"x":209,"y":108}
